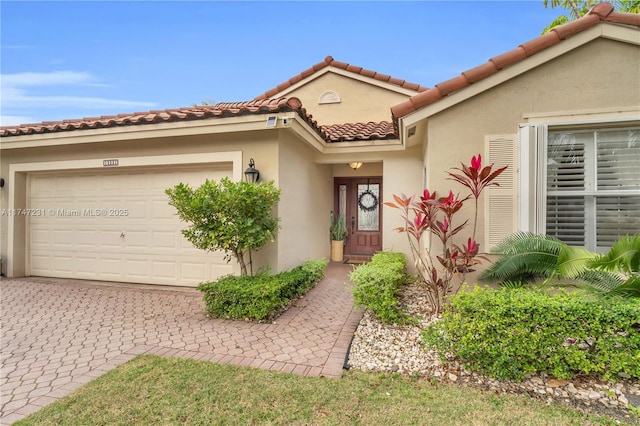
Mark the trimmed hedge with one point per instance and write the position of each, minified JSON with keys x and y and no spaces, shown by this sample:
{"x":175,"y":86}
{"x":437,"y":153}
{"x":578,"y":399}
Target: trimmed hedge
{"x":510,"y":333}
{"x":261,"y":297}
{"x":377,"y":286}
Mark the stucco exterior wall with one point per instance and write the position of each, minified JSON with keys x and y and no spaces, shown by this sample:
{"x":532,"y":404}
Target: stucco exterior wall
{"x":367,"y":169}
{"x":601,"y":75}
{"x":360,"y":102}
{"x":402,"y":175}
{"x":305,"y":204}
{"x":262,"y":146}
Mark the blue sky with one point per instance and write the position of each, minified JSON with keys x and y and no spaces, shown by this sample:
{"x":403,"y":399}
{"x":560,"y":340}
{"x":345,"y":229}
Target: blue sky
{"x":73,"y":59}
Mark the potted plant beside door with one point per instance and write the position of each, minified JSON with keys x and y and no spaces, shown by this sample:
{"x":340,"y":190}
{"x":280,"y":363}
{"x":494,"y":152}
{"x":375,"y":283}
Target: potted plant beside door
{"x":338,"y":232}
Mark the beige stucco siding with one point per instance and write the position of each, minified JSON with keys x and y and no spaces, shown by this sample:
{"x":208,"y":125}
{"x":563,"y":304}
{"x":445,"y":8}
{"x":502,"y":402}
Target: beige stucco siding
{"x":367,"y":169}
{"x":360,"y":102}
{"x":262,"y":146}
{"x":305,"y":204}
{"x":402,"y":175}
{"x":601,"y":75}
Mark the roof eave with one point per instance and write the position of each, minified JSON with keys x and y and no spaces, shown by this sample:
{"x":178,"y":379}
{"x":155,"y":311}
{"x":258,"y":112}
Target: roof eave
{"x":605,"y":30}
{"x":137,"y":132}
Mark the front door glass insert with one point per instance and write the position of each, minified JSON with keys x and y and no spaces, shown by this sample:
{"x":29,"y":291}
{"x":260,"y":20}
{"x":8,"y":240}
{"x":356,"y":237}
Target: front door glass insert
{"x":368,"y":206}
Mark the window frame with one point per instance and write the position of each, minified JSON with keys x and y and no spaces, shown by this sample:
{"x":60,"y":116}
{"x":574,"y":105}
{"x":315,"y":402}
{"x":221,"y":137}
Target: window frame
{"x":532,"y":170}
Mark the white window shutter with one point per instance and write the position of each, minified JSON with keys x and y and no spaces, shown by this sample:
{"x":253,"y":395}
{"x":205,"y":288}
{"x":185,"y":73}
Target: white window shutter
{"x":501,"y":219}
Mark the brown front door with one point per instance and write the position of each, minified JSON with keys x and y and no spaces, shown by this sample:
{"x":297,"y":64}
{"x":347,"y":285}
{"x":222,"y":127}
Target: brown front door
{"x":359,"y":200}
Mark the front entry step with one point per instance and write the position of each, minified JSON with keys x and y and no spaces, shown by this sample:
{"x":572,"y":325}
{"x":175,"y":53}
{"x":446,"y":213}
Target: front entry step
{"x":356,"y":260}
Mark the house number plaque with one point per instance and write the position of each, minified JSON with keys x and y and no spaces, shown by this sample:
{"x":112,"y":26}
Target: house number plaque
{"x":110,"y":163}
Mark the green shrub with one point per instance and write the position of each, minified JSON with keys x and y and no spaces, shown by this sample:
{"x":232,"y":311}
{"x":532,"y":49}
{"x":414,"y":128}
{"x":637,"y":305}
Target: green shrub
{"x":377,"y":286}
{"x":262,"y":297}
{"x":510,"y":333}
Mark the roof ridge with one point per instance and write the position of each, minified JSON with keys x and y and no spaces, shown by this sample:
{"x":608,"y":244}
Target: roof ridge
{"x":329,"y":61}
{"x":602,"y":12}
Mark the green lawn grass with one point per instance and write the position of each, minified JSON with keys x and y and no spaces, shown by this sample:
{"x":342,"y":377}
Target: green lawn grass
{"x":152,"y":390}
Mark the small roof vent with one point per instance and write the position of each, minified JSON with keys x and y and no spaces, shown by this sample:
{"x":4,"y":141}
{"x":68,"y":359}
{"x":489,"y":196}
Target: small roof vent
{"x":329,"y":97}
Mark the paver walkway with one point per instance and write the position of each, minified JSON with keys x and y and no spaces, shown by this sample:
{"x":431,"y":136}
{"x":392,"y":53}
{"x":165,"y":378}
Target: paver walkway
{"x":56,"y":335}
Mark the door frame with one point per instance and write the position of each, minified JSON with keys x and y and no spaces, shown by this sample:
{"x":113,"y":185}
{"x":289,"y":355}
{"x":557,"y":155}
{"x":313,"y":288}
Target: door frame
{"x":351,"y":208}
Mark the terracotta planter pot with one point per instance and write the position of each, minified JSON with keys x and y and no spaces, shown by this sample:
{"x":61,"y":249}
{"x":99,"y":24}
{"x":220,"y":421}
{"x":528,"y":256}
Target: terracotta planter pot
{"x":337,"y":251}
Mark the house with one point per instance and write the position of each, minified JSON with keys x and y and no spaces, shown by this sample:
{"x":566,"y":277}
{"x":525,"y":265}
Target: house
{"x":85,"y":198}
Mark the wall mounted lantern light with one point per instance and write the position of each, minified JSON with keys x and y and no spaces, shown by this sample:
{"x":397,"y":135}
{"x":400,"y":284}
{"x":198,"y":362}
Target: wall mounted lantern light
{"x":356,"y":165}
{"x":252,"y":175}
{"x":1,"y":182}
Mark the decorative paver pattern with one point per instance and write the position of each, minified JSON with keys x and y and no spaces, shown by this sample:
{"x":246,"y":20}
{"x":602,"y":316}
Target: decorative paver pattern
{"x":57,"y":335}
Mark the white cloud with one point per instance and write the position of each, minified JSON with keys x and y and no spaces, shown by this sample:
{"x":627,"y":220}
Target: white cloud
{"x":19,"y":98}
{"x":14,"y":120}
{"x":29,"y":79}
{"x":18,"y":95}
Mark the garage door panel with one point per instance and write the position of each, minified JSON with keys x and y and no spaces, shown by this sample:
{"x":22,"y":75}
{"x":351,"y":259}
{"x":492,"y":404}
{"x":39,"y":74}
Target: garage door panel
{"x":187,"y":249}
{"x":135,"y":181}
{"x":191,"y":271}
{"x":41,"y":187}
{"x":39,"y":203}
{"x":61,"y":238}
{"x":135,"y":209}
{"x":87,"y":187}
{"x":135,"y":240}
{"x":64,"y":185}
{"x":107,"y":240}
{"x":160,"y":209}
{"x":215,"y":256}
{"x":164,"y":270}
{"x":164,"y":240}
{"x":160,"y":182}
{"x":109,"y":268}
{"x":43,"y":262}
{"x":85,"y":263}
{"x":62,"y":264}
{"x":86,"y":238}
{"x":87,"y":246}
{"x":136,"y":267}
{"x":40,"y":238}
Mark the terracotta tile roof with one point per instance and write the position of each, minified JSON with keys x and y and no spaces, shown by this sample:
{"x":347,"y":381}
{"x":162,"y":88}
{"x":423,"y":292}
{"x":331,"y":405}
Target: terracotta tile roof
{"x":199,"y":112}
{"x":602,"y":12}
{"x":332,"y":133}
{"x":359,"y":131}
{"x":329,"y":61}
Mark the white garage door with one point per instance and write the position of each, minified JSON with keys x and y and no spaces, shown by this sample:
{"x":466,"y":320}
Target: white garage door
{"x":117,"y":226}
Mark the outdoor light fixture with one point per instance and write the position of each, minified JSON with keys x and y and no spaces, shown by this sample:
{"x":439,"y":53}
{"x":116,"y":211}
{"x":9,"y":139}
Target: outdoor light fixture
{"x":1,"y":182}
{"x":356,"y":165}
{"x":252,"y":175}
{"x":272,"y":120}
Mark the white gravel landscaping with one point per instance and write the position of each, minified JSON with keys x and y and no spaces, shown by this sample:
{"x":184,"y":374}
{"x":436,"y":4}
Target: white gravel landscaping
{"x":388,"y":348}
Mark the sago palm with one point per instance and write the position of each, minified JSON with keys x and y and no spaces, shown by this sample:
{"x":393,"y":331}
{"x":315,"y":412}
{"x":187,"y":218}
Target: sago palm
{"x":617,"y":272}
{"x":526,"y":257}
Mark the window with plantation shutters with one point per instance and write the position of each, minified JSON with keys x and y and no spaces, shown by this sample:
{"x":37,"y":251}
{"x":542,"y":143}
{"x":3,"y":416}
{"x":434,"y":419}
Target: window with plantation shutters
{"x":500,"y":201}
{"x":593,"y":186}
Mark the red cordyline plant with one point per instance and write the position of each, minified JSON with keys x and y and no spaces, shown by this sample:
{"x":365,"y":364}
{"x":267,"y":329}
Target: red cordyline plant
{"x":436,"y":216}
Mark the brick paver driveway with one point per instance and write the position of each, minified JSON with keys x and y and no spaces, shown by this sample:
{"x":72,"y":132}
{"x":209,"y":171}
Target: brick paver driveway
{"x":57,"y":335}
